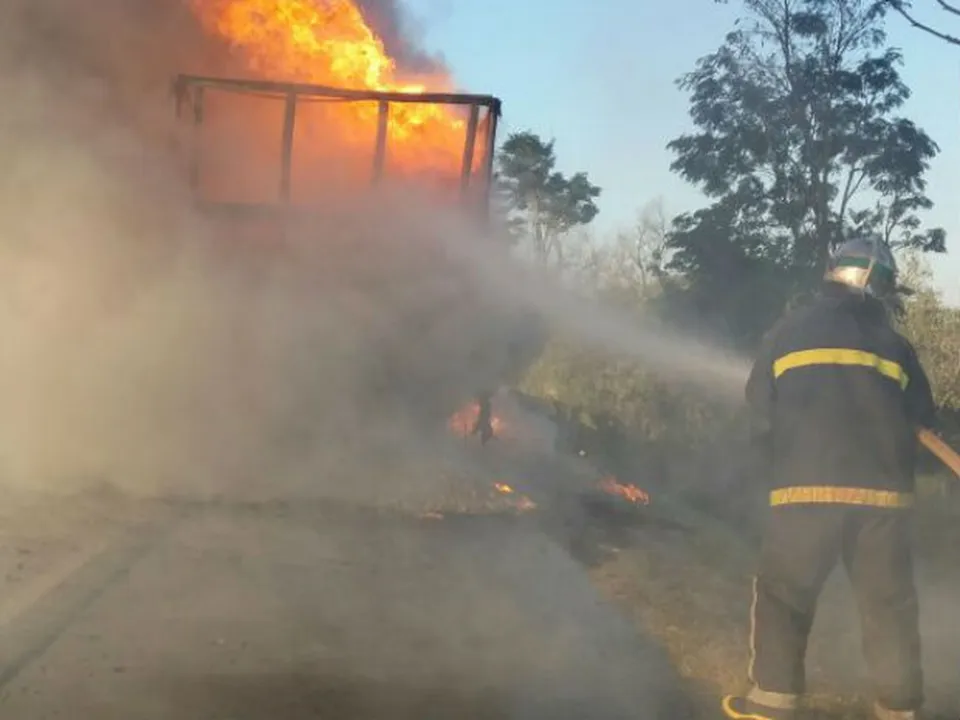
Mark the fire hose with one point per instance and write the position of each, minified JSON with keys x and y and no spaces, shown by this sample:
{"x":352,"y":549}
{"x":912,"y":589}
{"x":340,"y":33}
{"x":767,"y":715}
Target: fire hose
{"x":943,"y":452}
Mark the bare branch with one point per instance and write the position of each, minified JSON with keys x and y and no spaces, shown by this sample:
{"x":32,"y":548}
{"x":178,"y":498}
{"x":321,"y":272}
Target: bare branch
{"x":898,"y":6}
{"x":953,"y":9}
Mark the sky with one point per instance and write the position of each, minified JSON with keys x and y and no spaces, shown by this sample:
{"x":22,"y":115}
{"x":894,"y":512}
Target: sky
{"x":599,"y":78}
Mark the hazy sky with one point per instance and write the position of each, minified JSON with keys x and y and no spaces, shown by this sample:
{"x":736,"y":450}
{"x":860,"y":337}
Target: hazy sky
{"x":599,"y":77}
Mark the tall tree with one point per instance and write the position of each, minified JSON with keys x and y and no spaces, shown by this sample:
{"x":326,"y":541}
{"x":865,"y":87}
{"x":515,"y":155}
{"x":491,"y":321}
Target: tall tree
{"x":543,"y":203}
{"x":798,"y":145}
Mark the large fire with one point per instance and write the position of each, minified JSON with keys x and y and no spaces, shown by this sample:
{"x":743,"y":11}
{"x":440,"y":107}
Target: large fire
{"x":328,"y":42}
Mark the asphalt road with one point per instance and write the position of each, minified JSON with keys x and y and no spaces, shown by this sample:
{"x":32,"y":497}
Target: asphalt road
{"x":219,"y":613}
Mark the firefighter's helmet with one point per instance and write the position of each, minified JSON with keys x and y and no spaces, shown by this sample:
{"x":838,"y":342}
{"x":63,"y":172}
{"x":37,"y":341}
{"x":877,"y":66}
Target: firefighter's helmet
{"x":865,"y":265}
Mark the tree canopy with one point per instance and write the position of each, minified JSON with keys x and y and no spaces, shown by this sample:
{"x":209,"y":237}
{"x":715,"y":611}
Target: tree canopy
{"x":905,"y":9}
{"x":542,"y":203}
{"x":798,"y":145}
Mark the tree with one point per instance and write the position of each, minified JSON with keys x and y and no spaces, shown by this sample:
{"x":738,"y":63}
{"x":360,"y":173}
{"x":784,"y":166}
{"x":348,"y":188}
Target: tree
{"x":542,"y":203}
{"x":652,"y":235}
{"x":798,"y":145}
{"x":904,"y":9}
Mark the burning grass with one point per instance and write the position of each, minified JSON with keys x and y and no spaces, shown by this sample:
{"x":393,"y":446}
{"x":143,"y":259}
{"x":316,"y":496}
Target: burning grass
{"x":629,"y":492}
{"x":475,"y":499}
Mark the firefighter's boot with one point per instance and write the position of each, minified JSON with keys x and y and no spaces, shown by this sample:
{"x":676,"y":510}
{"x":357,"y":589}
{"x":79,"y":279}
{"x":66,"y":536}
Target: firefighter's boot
{"x":746,"y":708}
{"x":882,"y":713}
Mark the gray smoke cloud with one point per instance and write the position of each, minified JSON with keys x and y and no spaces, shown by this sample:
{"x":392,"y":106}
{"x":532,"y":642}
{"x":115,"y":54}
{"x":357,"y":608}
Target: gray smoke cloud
{"x":148,"y":346}
{"x":401,"y":35}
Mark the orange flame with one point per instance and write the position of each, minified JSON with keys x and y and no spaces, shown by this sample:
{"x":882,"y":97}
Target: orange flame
{"x":632,"y":493}
{"x":521,"y":503}
{"x":463,"y":420}
{"x":328,"y":42}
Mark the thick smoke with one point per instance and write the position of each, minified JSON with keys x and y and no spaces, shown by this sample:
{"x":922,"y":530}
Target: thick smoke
{"x":147,"y":346}
{"x":400,"y":34}
{"x":156,"y":348}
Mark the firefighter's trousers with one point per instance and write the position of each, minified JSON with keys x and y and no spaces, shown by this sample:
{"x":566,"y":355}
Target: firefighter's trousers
{"x":801,"y":545}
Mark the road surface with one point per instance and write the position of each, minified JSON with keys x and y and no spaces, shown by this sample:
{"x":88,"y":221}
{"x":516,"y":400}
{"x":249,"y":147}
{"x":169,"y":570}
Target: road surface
{"x":219,"y":612}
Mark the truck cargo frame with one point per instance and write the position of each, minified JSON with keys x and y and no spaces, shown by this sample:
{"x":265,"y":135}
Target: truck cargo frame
{"x":190,"y":92}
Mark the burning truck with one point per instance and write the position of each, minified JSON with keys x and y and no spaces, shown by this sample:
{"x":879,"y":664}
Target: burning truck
{"x":321,"y":115}
{"x":306,"y":156}
{"x":288,"y":157}
{"x":297,"y":154}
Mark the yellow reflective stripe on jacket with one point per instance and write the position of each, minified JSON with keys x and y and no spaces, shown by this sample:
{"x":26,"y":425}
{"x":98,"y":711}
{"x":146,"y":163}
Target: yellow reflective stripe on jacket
{"x":841,"y":496}
{"x":841,"y":356}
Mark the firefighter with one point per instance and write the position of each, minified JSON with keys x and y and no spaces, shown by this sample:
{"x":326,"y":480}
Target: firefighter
{"x":835,"y":398}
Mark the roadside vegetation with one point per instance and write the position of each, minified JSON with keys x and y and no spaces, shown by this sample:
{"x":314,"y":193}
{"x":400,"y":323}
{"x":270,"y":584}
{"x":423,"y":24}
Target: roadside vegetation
{"x":797,"y":143}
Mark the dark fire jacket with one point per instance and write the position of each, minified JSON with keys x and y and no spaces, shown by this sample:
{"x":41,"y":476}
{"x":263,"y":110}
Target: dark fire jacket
{"x":835,"y":397}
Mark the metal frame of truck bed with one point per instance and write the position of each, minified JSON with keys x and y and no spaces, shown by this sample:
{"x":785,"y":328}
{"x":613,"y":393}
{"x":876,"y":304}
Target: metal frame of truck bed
{"x":190,"y":92}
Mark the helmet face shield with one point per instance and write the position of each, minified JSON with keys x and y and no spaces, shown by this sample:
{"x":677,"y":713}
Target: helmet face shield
{"x":855,"y":277}
{"x":865,"y":265}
